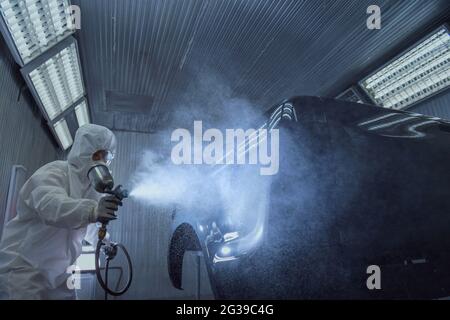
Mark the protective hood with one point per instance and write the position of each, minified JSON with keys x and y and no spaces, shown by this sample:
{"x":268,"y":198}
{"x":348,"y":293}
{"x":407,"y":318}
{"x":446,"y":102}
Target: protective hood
{"x":88,"y":139}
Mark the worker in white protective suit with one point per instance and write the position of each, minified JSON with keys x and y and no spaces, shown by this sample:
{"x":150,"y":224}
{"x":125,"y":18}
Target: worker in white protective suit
{"x":57,"y":208}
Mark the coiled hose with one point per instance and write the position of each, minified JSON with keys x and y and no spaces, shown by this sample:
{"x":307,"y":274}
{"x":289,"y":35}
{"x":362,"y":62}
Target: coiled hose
{"x":104,"y":284}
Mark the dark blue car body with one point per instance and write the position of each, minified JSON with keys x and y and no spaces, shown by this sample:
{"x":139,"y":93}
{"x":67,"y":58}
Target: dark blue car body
{"x":358,"y":185}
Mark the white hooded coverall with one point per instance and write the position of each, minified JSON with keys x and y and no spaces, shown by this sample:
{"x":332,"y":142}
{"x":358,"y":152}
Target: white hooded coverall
{"x":54,"y":209}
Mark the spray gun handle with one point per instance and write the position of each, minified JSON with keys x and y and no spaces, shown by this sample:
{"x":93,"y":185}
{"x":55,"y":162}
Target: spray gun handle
{"x":102,"y":231}
{"x":120,"y":194}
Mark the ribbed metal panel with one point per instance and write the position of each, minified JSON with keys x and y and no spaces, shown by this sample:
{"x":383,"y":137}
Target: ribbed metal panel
{"x":23,"y":139}
{"x":146,"y":230}
{"x":438,"y":106}
{"x":134,"y":47}
{"x":264,"y":50}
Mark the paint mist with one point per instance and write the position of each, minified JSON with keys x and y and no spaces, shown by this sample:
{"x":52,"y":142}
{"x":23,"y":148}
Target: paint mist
{"x":159,"y":182}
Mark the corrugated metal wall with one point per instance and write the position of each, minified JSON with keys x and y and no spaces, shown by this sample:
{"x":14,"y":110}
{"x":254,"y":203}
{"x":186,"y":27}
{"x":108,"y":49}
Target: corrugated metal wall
{"x":263,"y":50}
{"x":438,"y":106}
{"x":23,"y":139}
{"x":146,"y":230}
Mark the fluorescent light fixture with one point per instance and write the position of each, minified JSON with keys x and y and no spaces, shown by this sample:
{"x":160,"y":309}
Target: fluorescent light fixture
{"x":63,"y":134}
{"x":34,"y":26}
{"x":81,"y":111}
{"x":58,"y":81}
{"x":420,"y":72}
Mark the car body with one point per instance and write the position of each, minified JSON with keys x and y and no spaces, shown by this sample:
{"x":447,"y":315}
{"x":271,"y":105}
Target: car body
{"x":358,"y":186}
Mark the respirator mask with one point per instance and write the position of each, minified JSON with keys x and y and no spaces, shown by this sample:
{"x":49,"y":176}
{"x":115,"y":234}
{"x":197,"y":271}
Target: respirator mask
{"x":100,"y":176}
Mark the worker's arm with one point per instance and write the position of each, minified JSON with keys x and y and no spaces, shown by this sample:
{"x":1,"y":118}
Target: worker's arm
{"x":45,"y":193}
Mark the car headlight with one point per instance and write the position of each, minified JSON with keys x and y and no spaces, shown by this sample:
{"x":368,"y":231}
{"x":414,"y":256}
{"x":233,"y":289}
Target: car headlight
{"x":236,"y":247}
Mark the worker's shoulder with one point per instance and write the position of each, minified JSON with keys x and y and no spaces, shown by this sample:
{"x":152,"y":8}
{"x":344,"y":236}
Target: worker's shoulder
{"x":58,"y":168}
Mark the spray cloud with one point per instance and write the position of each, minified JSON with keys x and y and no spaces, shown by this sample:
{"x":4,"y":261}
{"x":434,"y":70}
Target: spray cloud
{"x":159,"y":182}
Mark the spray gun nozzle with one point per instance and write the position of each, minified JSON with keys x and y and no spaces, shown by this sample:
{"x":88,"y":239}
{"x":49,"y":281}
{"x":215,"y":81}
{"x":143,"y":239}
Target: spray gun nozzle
{"x":118,"y":192}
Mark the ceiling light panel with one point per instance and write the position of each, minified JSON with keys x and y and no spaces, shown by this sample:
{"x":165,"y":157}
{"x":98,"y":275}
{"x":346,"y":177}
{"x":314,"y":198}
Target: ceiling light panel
{"x":81,"y":111}
{"x":36,"y":25}
{"x":63,"y":134}
{"x":58,"y":81}
{"x":415,"y":75}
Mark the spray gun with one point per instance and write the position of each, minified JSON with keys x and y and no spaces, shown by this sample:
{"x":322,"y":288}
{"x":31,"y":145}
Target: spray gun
{"x":103,"y":182}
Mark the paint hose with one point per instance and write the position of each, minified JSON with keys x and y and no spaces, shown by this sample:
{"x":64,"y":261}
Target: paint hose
{"x":109,"y":257}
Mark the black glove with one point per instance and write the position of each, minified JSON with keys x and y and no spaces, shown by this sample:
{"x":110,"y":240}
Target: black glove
{"x":106,"y":208}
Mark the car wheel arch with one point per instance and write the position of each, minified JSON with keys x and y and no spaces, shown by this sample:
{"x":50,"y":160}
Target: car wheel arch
{"x":184,"y":238}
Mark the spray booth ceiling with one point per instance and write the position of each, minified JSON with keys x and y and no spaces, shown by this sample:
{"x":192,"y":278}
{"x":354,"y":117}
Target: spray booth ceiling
{"x":146,"y":60}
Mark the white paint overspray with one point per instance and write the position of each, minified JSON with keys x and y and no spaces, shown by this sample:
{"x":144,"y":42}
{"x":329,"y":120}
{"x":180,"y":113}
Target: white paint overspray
{"x":158,"y":182}
{"x":239,"y":191}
